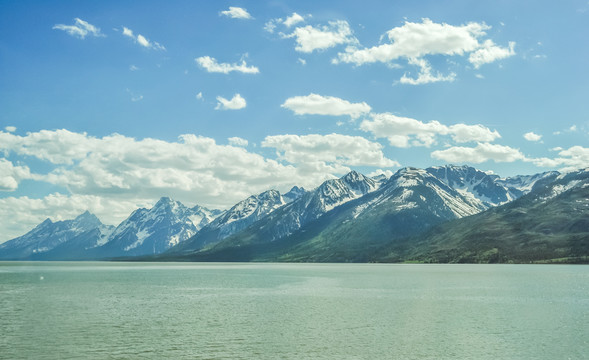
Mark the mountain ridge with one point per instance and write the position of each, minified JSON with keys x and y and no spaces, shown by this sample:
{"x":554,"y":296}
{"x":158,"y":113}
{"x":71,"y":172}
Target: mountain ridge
{"x":345,"y":219}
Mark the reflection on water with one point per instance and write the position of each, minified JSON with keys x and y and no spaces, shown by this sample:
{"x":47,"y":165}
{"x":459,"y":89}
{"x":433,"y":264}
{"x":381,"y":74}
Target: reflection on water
{"x":244,"y":311}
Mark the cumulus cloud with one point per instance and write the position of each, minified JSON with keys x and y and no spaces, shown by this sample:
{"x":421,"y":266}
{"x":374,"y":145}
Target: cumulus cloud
{"x":210,"y":64}
{"x":314,"y":104}
{"x":406,"y":132}
{"x":236,"y":103}
{"x":236,"y":13}
{"x":489,"y":52}
{"x":465,"y":133}
{"x":30,"y":212}
{"x":237,"y":141}
{"x":531,"y":136}
{"x":80,"y":29}
{"x":425,"y":75}
{"x":10,"y":128}
{"x":575,"y":157}
{"x":414,"y":41}
{"x":481,"y":153}
{"x":194,"y":169}
{"x":142,"y":40}
{"x":309,"y":38}
{"x":115,"y":174}
{"x":290,"y":21}
{"x":293,"y":19}
{"x":335,"y":150}
{"x":11,"y":175}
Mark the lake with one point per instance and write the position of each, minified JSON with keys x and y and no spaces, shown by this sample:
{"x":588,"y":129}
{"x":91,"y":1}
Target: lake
{"x":102,"y":310}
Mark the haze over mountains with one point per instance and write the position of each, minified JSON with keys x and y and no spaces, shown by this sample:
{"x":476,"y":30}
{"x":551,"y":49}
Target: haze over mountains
{"x":438,"y":214}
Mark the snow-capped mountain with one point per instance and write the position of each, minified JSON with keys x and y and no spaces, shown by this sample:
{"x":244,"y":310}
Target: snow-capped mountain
{"x":294,"y":193}
{"x":351,"y":214}
{"x":522,"y":184}
{"x":310,"y":206}
{"x":337,"y":217}
{"x":489,"y":189}
{"x":240,"y":216}
{"x":48,"y":235}
{"x":148,"y":232}
{"x":549,"y":224}
{"x":474,"y":183}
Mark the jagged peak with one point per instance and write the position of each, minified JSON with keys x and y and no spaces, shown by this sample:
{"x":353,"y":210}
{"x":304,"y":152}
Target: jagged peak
{"x":268,"y":194}
{"x":86,"y":215}
{"x":164,"y":200}
{"x":353,"y":176}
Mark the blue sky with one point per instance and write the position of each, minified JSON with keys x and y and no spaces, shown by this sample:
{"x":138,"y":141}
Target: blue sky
{"x":107,"y":106}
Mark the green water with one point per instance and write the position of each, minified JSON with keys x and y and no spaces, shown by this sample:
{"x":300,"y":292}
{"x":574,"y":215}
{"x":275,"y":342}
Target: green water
{"x":292,"y":311}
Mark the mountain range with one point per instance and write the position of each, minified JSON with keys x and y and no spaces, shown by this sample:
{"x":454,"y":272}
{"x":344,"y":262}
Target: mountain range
{"x":439,"y":214}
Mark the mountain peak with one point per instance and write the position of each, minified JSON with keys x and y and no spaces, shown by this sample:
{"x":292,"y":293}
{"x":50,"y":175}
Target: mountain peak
{"x":88,"y":219}
{"x":294,"y":193}
{"x":164,"y":200}
{"x":353,"y":176}
{"x":85,"y":215}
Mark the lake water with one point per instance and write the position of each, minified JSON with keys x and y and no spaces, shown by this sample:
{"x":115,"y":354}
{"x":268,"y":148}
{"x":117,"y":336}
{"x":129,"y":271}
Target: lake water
{"x":101,"y":310}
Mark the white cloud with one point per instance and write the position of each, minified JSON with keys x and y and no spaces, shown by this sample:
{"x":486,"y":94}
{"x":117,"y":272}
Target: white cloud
{"x":199,"y":96}
{"x":133,"y":68}
{"x":56,"y":147}
{"x":115,"y":174}
{"x":314,"y":104}
{"x":142,"y":40}
{"x":237,"y":141}
{"x":309,"y":38}
{"x":407,"y":132}
{"x":236,"y":103}
{"x":236,"y":13}
{"x":531,"y":136}
{"x":10,"y":128}
{"x":271,"y":25}
{"x":465,"y":133}
{"x":194,"y":169}
{"x":31,"y":212}
{"x":128,"y":32}
{"x":489,"y":52}
{"x":293,"y":19}
{"x":302,"y":61}
{"x":80,"y":29}
{"x":481,"y":153}
{"x":290,"y":21}
{"x":425,"y":75}
{"x":573,"y":158}
{"x":334,"y":150}
{"x":210,"y":64}
{"x":11,"y":175}
{"x":415,"y":41}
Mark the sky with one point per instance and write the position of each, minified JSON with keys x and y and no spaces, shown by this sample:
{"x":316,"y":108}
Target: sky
{"x":107,"y":106}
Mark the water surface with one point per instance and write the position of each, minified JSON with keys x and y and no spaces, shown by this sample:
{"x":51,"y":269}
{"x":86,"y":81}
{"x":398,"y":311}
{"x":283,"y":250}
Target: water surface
{"x":71,"y":310}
